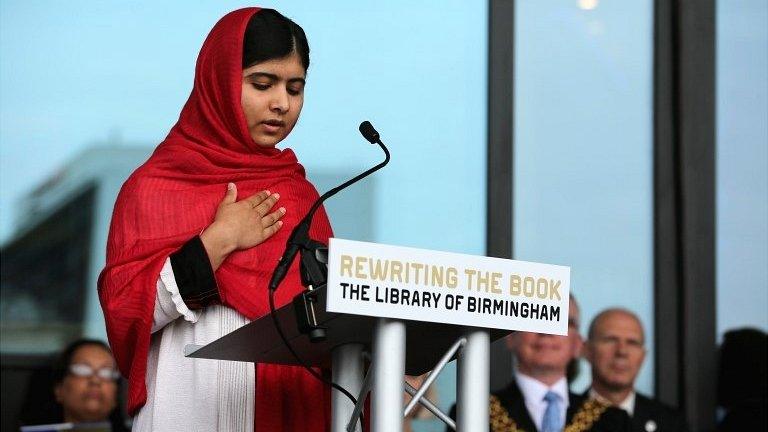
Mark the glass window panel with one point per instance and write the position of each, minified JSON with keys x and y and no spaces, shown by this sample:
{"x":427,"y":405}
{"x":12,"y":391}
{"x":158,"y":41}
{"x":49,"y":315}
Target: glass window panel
{"x":742,"y":165}
{"x":583,"y":152}
{"x":421,"y":80}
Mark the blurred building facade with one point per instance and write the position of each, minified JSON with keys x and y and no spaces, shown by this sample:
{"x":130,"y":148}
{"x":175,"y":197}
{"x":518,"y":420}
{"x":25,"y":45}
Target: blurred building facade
{"x":51,"y":265}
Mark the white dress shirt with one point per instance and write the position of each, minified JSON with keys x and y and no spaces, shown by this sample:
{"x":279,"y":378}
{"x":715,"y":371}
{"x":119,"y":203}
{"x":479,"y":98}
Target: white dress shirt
{"x":533,"y":392}
{"x":185,"y":394}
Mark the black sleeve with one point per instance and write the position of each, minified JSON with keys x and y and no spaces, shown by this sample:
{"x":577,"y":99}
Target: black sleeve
{"x":194,"y":275}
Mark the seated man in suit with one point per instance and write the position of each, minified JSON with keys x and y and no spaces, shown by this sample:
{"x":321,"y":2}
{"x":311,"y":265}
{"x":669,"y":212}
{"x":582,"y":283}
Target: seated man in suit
{"x":538,"y":399}
{"x":615,"y":349}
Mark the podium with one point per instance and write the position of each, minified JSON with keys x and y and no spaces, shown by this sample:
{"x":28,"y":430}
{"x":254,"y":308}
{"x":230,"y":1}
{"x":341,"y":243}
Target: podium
{"x":352,"y":339}
{"x":403,"y":311}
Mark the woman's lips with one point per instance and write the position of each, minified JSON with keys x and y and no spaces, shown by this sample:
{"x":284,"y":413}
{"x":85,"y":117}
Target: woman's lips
{"x":272,"y":126}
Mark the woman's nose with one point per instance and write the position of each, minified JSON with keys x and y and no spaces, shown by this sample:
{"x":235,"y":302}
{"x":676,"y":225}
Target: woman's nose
{"x":279,"y":102}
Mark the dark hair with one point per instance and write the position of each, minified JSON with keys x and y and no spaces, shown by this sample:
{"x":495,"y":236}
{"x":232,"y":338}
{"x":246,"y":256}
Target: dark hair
{"x":61,"y":368}
{"x":269,"y":35}
{"x":743,"y":367}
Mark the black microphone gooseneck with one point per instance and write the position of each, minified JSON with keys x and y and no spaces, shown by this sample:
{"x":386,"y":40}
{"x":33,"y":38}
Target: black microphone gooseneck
{"x":299,"y":238}
{"x":313,"y":264}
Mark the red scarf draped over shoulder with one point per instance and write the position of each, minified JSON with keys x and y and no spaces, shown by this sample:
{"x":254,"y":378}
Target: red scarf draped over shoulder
{"x":174,"y":195}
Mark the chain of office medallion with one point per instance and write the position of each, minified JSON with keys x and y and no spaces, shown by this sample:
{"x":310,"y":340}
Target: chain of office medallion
{"x":587,"y":415}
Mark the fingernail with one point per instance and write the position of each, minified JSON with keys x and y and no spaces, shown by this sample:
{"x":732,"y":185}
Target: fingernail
{"x":277,"y":196}
{"x":279,"y":223}
{"x":282,"y":209}
{"x":230,"y":186}
{"x":267,"y":192}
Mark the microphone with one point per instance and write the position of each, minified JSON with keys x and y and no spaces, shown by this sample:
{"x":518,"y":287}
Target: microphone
{"x":299,"y":237}
{"x":368,"y":131}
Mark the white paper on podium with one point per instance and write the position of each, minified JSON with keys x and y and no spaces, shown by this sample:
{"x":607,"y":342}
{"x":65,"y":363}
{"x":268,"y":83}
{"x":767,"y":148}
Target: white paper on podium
{"x":424,"y":285}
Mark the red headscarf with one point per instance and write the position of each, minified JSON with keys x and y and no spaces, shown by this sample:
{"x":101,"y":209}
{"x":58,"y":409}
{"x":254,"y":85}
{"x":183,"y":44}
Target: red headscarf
{"x":174,"y":195}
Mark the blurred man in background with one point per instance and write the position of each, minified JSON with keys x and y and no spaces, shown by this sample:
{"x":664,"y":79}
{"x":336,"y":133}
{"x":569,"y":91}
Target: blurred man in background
{"x":538,"y":398}
{"x":616,"y":349}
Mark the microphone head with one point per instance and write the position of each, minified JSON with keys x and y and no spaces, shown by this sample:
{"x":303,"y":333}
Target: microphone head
{"x":366,"y":128}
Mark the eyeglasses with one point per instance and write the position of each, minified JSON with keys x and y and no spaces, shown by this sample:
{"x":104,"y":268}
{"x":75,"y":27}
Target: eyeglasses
{"x":85,"y":371}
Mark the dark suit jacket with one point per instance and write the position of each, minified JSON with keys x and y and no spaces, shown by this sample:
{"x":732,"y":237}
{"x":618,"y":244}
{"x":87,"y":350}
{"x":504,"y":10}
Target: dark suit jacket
{"x":649,"y":412}
{"x":747,"y":415}
{"x":612,"y":419}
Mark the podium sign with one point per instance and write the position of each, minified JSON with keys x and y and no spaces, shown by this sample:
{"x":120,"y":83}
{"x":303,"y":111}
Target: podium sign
{"x":425,"y":285}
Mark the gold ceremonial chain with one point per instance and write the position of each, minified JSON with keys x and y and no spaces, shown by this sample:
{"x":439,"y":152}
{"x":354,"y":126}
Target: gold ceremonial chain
{"x":587,"y":415}
{"x":500,"y":419}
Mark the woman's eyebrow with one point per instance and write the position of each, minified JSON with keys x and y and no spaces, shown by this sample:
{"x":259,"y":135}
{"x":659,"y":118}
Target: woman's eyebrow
{"x":270,"y":76}
{"x":273,"y":77}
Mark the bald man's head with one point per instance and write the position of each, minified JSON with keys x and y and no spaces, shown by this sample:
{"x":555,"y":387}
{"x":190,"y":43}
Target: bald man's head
{"x":610,"y":312}
{"x":616,"y":349}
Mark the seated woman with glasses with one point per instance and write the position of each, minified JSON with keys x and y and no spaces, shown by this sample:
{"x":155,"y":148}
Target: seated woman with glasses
{"x":86,"y":384}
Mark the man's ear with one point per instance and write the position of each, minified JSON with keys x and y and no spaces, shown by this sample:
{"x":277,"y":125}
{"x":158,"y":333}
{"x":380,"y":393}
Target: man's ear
{"x":578,"y":346}
{"x":57,"y":392}
{"x":586,"y":351}
{"x":511,"y":341}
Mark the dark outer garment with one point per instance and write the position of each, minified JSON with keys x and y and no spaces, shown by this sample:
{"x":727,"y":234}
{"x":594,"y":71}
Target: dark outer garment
{"x":612,"y":420}
{"x":650,"y":412}
{"x":748,"y":415}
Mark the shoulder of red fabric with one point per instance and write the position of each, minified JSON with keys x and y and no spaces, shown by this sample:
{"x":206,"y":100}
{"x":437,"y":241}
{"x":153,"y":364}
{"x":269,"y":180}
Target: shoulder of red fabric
{"x":127,"y":285}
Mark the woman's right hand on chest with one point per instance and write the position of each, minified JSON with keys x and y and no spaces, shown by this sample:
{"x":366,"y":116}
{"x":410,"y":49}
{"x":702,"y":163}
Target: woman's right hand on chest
{"x":241,"y":224}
